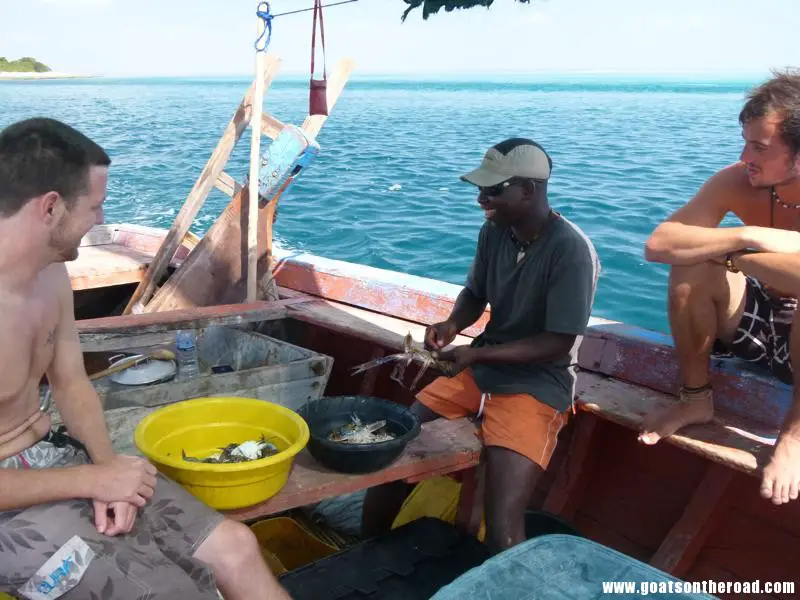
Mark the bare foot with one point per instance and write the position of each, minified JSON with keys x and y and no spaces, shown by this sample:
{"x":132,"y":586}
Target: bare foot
{"x":781,"y":477}
{"x":694,"y":407}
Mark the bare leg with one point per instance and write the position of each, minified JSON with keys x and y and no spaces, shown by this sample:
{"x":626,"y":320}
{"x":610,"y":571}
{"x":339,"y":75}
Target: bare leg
{"x":510,"y":481}
{"x":781,"y":477}
{"x":706,"y":302}
{"x":383,"y":502}
{"x":233,"y":554}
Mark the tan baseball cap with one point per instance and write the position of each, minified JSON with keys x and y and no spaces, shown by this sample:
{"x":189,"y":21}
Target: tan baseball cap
{"x":515,"y":157}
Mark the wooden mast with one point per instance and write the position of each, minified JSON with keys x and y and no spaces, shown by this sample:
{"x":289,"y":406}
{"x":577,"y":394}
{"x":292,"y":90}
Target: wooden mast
{"x":255,"y":152}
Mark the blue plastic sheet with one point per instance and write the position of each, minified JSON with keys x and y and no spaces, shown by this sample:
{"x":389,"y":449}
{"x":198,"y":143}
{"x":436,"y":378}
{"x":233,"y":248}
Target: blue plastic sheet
{"x":565,"y":567}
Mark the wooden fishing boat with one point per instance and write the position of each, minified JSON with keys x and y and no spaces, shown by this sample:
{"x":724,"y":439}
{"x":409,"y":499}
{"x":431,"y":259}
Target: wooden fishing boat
{"x":689,"y":505}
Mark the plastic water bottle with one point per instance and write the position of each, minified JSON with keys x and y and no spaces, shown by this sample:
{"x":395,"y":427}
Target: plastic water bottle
{"x":186,"y":346}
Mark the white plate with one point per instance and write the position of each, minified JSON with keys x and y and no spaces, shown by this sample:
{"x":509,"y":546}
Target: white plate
{"x":150,"y":371}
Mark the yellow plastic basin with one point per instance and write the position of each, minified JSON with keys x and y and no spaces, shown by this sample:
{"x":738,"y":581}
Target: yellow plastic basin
{"x":202,"y":426}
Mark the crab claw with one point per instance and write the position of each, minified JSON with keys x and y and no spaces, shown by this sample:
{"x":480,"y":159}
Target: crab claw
{"x":398,"y":373}
{"x":374,"y":363}
{"x":421,"y":372}
{"x":408,"y":343}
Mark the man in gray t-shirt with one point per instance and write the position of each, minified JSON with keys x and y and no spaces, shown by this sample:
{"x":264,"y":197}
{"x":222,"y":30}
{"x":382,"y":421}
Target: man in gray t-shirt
{"x":538,"y":272}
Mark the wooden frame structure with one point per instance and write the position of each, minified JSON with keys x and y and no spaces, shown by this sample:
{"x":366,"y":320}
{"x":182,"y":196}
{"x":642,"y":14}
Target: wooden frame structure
{"x":232,"y":230}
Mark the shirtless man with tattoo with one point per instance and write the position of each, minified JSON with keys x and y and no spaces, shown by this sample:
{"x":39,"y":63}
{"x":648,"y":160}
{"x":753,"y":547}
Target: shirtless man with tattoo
{"x":78,"y":520}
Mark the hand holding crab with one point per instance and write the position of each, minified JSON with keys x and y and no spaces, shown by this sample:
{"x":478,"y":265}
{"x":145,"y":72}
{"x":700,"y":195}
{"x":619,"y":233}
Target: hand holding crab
{"x":410,"y":354}
{"x":459,"y":358}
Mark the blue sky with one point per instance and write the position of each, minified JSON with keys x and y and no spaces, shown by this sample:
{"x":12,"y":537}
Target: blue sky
{"x":214,"y":37}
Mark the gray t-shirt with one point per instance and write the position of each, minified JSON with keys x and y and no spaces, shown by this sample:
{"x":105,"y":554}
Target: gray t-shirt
{"x":551,"y":289}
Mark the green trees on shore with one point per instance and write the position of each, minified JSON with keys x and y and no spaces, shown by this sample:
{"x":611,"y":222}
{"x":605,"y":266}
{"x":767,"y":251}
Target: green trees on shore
{"x":26,"y":64}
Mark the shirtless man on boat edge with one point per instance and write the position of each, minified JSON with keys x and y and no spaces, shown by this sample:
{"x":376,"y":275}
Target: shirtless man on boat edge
{"x":735,"y":289}
{"x":539,"y":273}
{"x":68,"y":498}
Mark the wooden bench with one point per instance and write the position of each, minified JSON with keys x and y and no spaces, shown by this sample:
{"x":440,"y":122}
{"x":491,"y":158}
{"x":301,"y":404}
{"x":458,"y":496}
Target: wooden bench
{"x":112,"y":255}
{"x":729,"y":444}
{"x":442,"y":447}
{"x":107,"y":265}
{"x":729,"y":440}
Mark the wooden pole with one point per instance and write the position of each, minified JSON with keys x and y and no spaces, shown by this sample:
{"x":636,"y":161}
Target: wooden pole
{"x":255,"y":159}
{"x":267,"y":287}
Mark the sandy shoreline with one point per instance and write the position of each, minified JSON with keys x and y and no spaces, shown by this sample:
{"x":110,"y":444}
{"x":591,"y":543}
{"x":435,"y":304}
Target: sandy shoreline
{"x":12,"y":76}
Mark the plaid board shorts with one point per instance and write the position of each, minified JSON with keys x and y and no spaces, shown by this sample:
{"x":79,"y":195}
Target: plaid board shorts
{"x":762,"y":336}
{"x":50,"y":551}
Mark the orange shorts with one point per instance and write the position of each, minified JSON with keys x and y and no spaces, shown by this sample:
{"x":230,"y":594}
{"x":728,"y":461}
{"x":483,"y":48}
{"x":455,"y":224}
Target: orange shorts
{"x":518,"y":422}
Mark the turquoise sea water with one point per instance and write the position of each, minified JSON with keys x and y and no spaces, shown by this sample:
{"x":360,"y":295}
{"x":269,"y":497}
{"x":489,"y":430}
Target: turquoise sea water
{"x":385,"y":190}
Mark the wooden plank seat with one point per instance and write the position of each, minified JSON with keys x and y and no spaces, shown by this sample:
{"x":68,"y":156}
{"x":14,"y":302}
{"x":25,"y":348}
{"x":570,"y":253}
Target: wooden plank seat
{"x":729,"y":443}
{"x":729,"y":440}
{"x":112,"y":255}
{"x":442,"y":447}
{"x":107,"y":265}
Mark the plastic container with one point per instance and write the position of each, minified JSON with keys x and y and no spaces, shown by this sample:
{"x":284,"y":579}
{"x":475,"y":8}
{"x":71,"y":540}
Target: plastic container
{"x":286,"y":545}
{"x":203,"y":425}
{"x":330,"y":413}
{"x":413,"y":561}
{"x":438,"y":497}
{"x":186,"y":354}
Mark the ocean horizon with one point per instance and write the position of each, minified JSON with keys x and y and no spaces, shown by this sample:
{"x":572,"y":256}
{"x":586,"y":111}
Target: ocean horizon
{"x":628,"y":149}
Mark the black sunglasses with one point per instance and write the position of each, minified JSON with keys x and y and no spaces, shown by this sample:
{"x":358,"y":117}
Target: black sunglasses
{"x":496,"y":190}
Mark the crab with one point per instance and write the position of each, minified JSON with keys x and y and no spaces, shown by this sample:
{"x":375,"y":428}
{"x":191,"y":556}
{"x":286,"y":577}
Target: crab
{"x":234,"y":453}
{"x":357,"y":432}
{"x":410,"y":354}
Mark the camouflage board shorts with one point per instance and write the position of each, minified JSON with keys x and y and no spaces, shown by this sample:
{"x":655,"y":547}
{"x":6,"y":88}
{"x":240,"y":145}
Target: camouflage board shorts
{"x":53,"y":551}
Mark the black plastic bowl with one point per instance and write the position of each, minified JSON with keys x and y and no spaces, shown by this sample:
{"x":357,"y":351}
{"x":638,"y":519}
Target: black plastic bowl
{"x":327,"y":414}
